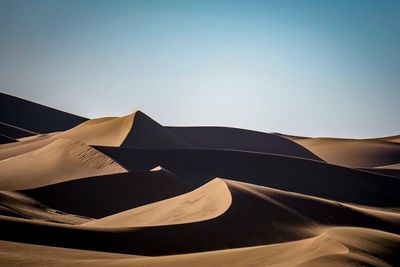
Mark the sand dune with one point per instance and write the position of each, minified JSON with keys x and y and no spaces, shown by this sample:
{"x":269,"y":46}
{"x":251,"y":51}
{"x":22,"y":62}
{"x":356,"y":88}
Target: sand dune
{"x":240,"y":139}
{"x":361,"y":153}
{"x":204,"y":203}
{"x":103,"y":131}
{"x":14,"y":132}
{"x":10,"y":150}
{"x":35,"y":117}
{"x":231,"y":199}
{"x":335,"y":247}
{"x":19,"y":205}
{"x":6,"y":139}
{"x":256,"y":216}
{"x":75,"y":191}
{"x":108,"y":194}
{"x":60,"y":161}
{"x":282,"y":172}
{"x":134,"y":130}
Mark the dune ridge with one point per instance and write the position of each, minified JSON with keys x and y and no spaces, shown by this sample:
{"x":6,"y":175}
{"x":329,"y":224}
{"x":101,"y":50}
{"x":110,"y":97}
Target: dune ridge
{"x":128,"y":191}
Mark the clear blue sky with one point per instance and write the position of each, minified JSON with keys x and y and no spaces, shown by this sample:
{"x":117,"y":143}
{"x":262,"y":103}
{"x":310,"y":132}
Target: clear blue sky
{"x":318,"y":68}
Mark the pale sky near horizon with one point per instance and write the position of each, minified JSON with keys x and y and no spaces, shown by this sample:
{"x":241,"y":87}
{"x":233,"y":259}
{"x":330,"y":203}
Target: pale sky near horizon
{"x":315,"y":68}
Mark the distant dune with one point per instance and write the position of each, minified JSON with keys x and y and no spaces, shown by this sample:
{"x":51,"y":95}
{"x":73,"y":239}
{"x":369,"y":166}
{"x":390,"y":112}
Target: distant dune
{"x":128,"y":191}
{"x":35,"y":117}
{"x":239,"y":139}
{"x":353,"y":153}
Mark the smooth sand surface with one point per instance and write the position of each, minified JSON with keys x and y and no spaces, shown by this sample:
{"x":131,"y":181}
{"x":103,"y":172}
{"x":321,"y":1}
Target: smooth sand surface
{"x":103,"y":131}
{"x":255,"y":215}
{"x":59,"y":161}
{"x":133,"y":130}
{"x":128,"y":191}
{"x":353,"y":153}
{"x":282,"y":172}
{"x":204,"y":203}
{"x":358,"y":153}
{"x":240,"y":139}
{"x":342,"y":246}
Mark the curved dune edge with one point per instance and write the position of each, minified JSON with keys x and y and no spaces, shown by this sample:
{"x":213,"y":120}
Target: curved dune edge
{"x":204,"y":203}
{"x":256,"y":216}
{"x":214,"y":200}
{"x":60,"y":161}
{"x":109,"y":131}
{"x":335,"y":246}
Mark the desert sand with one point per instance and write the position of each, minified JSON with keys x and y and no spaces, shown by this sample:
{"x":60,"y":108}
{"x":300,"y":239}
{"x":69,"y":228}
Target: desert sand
{"x":128,"y":191}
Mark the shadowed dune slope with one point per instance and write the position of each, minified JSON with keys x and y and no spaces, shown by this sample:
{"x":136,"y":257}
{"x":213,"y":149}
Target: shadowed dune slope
{"x":394,"y":172}
{"x":5,"y":139}
{"x":281,"y":172}
{"x":240,"y":139}
{"x":60,"y":161}
{"x":206,"y":202}
{"x":35,"y":117}
{"x":256,"y":216}
{"x":18,"y":205}
{"x":147,"y":133}
{"x":108,"y":194}
{"x":359,"y":153}
{"x":13,"y":131}
{"x":342,"y":246}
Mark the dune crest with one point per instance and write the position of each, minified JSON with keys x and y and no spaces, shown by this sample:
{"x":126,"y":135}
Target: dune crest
{"x":79,"y":191}
{"x":204,"y":203}
{"x":110,"y":131}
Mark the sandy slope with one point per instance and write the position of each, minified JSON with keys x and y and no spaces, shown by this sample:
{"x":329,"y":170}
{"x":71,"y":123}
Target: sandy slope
{"x":134,"y":130}
{"x":360,"y":153}
{"x":103,"y":131}
{"x":284,"y":206}
{"x":240,"y":139}
{"x":21,"y":206}
{"x":342,"y":246}
{"x":17,"y":148}
{"x":206,"y":202}
{"x":256,"y":216}
{"x":14,"y":132}
{"x":282,"y":172}
{"x":59,"y":161}
{"x":4,"y":139}
{"x":35,"y":117}
{"x":108,"y":194}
